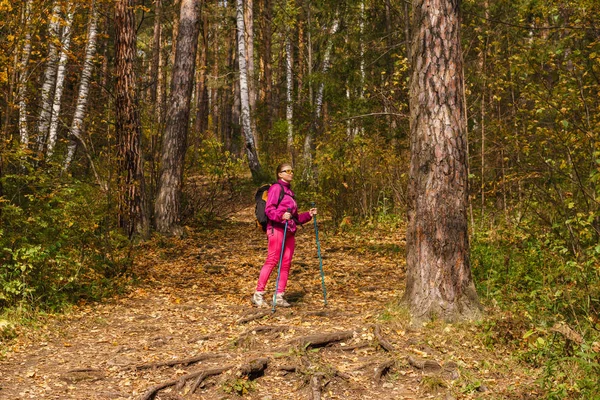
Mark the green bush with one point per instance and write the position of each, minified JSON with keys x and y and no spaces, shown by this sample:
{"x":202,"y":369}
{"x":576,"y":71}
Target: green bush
{"x":56,"y":245}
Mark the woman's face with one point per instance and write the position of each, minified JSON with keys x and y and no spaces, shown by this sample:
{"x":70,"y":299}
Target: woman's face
{"x":287,"y":173}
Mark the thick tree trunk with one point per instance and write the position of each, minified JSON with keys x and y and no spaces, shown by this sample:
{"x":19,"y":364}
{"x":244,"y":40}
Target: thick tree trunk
{"x":133,"y":216}
{"x":49,"y":78}
{"x":250,"y":145}
{"x":168,"y":201}
{"x":24,"y":76}
{"x":65,"y":42}
{"x":439,"y":282}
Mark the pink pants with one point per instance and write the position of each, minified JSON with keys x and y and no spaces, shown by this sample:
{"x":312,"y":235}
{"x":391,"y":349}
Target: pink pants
{"x":275,"y":237}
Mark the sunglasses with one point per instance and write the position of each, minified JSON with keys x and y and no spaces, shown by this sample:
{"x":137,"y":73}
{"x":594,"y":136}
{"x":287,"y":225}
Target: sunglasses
{"x":288,"y":171}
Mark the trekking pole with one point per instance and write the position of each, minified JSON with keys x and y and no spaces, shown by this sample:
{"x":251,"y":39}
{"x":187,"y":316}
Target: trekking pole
{"x":279,"y":268}
{"x":320,"y":258}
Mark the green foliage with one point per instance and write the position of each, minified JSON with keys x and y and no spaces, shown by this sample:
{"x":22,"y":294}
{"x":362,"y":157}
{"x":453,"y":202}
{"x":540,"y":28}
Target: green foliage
{"x":240,"y":386}
{"x":56,"y":245}
{"x":528,"y":272}
{"x":360,"y":176}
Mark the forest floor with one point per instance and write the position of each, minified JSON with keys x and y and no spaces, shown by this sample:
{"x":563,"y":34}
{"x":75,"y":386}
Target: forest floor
{"x":190,"y":323}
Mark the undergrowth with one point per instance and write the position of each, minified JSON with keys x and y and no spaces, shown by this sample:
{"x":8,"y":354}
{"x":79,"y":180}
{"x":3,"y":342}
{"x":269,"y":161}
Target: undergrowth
{"x":546,"y":302}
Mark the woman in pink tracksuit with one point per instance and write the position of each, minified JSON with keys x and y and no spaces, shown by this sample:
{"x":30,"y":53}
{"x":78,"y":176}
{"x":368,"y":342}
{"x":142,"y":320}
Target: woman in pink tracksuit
{"x":278,"y":215}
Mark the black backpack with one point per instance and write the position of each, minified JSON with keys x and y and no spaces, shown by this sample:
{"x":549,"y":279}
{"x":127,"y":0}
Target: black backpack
{"x":261,"y":203}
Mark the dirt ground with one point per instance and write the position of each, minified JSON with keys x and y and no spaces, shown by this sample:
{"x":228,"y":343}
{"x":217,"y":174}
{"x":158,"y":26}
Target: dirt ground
{"x":189,"y":331}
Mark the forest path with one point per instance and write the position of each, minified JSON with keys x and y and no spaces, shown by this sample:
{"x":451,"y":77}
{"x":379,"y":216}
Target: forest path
{"x":193,"y":302}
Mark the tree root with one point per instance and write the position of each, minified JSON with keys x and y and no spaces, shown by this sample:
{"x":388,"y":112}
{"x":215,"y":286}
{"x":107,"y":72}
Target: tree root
{"x":426,"y":365}
{"x":254,"y":369}
{"x":387,"y":346}
{"x":185,"y":362}
{"x":180,"y":382}
{"x":324,"y":339}
{"x":253,"y":317}
{"x":383,"y":369}
{"x":206,"y":374}
{"x":258,"y":329}
{"x":315,"y":386}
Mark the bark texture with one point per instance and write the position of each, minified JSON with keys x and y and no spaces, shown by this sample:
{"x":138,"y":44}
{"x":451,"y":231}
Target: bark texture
{"x":439,"y":282}
{"x":49,"y":77}
{"x":250,"y":144}
{"x":174,"y":146}
{"x":133,"y":216}
{"x":24,"y":76}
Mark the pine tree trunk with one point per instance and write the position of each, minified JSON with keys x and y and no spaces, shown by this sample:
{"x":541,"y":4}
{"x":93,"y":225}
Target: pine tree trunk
{"x":24,"y":76}
{"x":167,"y":206}
{"x":439,"y":282}
{"x":60,"y":80}
{"x":156,"y":50}
{"x":250,"y":146}
{"x":201,"y":122}
{"x":49,"y":78}
{"x":133,"y":216}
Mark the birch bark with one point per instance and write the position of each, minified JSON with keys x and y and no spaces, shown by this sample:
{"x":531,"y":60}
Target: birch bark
{"x":65,"y":42}
{"x":24,"y":76}
{"x":319,"y":99}
{"x":49,"y":77}
{"x":289,"y":113}
{"x":83,"y":93}
{"x":250,"y":145}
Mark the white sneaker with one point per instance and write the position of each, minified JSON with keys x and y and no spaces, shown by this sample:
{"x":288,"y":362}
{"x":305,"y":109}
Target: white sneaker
{"x":280,"y":301}
{"x":257,"y":299}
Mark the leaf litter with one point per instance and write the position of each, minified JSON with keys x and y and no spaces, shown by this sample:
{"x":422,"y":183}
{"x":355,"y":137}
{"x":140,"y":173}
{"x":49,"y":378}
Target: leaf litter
{"x":191,"y":331}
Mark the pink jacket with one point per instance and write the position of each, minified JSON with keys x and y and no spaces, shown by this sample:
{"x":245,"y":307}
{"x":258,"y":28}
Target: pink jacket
{"x":275,"y":213}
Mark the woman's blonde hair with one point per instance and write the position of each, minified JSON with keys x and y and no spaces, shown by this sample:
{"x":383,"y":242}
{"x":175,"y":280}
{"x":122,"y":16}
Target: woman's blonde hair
{"x":281,"y":166}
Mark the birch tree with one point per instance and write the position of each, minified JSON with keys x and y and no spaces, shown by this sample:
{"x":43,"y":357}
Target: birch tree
{"x":133,"y":216}
{"x":49,"y":77}
{"x":75,"y":131}
{"x":289,"y":73}
{"x":320,"y":92}
{"x":168,"y":201}
{"x":250,"y":146}
{"x":438,"y":278}
{"x":65,"y":43}
{"x":24,"y":76}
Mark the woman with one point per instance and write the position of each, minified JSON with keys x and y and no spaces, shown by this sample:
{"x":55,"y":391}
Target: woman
{"x":287,"y":210}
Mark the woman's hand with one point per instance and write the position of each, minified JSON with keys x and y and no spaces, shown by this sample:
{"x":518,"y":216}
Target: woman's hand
{"x":313,"y":212}
{"x":286,"y":216}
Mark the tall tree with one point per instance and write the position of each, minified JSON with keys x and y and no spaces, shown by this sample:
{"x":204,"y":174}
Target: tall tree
{"x":438,"y":282}
{"x":49,"y":77}
{"x":65,"y":43}
{"x":75,"y":132}
{"x":174,"y":146}
{"x":24,"y":75}
{"x":133,"y":215}
{"x":250,"y":145}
